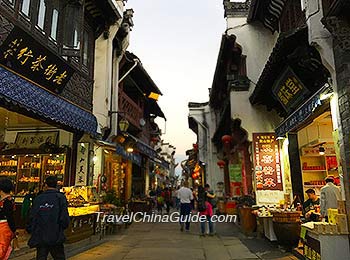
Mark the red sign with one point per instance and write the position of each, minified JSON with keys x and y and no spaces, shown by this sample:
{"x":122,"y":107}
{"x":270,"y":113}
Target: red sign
{"x":268,"y":174}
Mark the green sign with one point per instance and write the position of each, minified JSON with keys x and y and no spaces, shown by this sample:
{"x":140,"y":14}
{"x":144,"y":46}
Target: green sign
{"x":235,"y":171}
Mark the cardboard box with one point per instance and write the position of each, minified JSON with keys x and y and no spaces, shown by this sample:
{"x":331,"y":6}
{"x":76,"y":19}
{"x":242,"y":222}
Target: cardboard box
{"x":342,"y":223}
{"x":331,"y":215}
{"x":341,"y":207}
{"x":333,"y":229}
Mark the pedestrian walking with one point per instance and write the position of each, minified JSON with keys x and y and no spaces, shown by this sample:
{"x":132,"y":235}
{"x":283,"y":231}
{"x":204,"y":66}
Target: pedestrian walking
{"x":205,"y":209}
{"x":48,"y":220}
{"x":27,"y":204}
{"x":7,"y":222}
{"x":160,"y":202}
{"x":177,"y":200}
{"x":167,"y":198}
{"x":185,"y":195}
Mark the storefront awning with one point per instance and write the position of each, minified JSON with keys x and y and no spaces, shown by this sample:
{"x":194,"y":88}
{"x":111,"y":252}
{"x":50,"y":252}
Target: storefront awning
{"x":26,"y":95}
{"x":135,"y":158}
{"x":301,"y":115}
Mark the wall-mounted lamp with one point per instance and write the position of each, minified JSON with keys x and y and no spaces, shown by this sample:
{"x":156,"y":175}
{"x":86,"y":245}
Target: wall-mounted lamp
{"x":123,"y":125}
{"x":130,"y":149}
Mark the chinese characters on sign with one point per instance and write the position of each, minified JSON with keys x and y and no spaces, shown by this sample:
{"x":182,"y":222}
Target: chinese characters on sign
{"x":24,"y":55}
{"x":289,"y":90}
{"x":268,"y":174}
{"x":235,"y":171}
{"x":82,"y":164}
{"x":33,"y":140}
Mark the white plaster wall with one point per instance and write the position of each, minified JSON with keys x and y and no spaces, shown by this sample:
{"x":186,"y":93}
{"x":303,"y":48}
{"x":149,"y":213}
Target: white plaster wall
{"x":104,"y":75}
{"x":257,"y":44}
{"x":206,"y":129}
{"x":319,"y":36}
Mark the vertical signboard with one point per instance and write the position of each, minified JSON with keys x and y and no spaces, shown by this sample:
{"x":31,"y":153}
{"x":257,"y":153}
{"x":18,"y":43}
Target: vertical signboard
{"x":81,"y":175}
{"x":268,"y":174}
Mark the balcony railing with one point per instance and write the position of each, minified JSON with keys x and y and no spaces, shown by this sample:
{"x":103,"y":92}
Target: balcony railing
{"x":129,"y":109}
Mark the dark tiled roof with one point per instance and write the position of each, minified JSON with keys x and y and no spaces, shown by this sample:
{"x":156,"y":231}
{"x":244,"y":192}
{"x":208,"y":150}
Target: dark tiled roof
{"x":25,"y":95}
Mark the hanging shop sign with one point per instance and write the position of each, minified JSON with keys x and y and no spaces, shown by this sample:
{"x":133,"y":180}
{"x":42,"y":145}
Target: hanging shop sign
{"x":300,"y":115}
{"x":235,"y":171}
{"x":289,"y":90}
{"x":267,"y":162}
{"x":33,"y":140}
{"x":21,"y":53}
{"x":82,"y":164}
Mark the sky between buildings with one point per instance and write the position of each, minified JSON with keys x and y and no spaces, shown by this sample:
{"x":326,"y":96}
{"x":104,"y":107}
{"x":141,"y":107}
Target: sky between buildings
{"x":178,"y":42}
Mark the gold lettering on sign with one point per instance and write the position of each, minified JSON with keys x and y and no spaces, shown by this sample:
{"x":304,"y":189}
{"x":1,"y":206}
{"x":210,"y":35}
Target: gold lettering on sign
{"x":60,"y":78}
{"x":50,"y":71}
{"x":26,"y":54}
{"x":38,"y":64}
{"x":13,"y":46}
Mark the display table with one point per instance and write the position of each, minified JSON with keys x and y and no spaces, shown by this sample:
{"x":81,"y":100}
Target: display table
{"x":267,"y":223}
{"x":80,"y":227}
{"x":325,"y":246}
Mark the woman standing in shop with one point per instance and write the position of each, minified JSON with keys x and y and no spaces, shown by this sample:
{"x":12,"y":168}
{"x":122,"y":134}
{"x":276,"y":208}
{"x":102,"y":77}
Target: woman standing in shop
{"x":7,"y":223}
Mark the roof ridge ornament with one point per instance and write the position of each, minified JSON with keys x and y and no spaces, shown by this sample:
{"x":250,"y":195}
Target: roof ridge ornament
{"x":236,"y":8}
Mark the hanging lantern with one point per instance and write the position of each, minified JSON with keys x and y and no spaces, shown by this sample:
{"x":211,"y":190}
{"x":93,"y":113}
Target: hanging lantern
{"x":221,"y":163}
{"x":195,"y":146}
{"x":226,"y":139}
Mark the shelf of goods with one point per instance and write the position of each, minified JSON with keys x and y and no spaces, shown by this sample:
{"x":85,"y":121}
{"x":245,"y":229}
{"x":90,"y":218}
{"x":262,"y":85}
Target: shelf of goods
{"x":315,"y":168}
{"x":8,"y":168}
{"x":29,"y":171}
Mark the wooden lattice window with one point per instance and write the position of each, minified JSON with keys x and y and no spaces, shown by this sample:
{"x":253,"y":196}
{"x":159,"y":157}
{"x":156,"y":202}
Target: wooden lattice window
{"x":292,"y":16}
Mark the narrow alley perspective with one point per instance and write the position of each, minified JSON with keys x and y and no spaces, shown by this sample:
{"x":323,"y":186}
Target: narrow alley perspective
{"x":184,"y":129}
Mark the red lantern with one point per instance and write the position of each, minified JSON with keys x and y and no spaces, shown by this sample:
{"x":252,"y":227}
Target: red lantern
{"x":195,"y":146}
{"x":221,"y":163}
{"x":226,"y":139}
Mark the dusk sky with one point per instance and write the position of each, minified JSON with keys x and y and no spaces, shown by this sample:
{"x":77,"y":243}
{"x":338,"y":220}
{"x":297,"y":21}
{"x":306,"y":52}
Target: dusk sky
{"x":178,"y":43}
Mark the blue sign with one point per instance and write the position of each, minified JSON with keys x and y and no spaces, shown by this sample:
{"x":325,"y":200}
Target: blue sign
{"x":300,"y":115}
{"x":135,"y":158}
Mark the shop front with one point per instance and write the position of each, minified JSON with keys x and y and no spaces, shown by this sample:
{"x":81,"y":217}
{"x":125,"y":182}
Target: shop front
{"x":307,"y":143}
{"x":45,"y":126}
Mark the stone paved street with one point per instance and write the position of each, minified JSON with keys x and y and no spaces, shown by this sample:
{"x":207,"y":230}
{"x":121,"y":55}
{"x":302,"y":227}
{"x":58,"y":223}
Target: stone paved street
{"x":165,"y":241}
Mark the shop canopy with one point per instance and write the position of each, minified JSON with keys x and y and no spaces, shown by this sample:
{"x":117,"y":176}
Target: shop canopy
{"x":47,"y":106}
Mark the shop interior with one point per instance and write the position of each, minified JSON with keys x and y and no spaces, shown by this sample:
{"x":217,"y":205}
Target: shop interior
{"x":317,"y":153}
{"x":30,"y":151}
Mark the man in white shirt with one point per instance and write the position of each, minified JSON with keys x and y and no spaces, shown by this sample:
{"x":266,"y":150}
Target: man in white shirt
{"x":185,"y":196}
{"x":330,"y":194}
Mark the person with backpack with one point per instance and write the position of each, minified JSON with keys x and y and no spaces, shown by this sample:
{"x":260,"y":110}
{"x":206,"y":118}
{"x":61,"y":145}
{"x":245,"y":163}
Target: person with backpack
{"x":205,"y":209}
{"x":48,"y":219}
{"x":7,"y":222}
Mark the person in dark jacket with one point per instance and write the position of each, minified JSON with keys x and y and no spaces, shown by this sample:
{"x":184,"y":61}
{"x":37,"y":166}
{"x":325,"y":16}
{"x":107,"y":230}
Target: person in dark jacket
{"x":48,"y":219}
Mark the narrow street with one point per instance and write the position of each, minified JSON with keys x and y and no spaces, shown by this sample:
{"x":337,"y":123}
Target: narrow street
{"x":165,"y":241}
